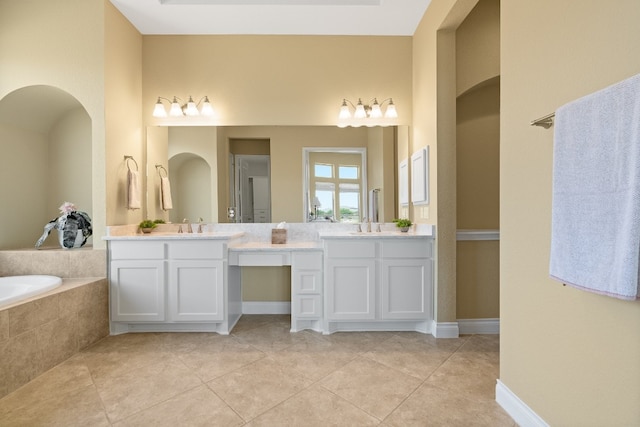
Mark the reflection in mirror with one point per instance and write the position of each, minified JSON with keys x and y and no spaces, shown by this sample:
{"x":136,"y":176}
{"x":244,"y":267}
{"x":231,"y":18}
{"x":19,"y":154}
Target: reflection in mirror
{"x":284,"y":145}
{"x":190,"y":188}
{"x":250,"y":179}
{"x":335,"y":179}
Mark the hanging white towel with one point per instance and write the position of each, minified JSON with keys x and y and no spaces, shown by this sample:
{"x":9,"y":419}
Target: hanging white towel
{"x":133,"y":190}
{"x":165,"y":193}
{"x":595,"y":237}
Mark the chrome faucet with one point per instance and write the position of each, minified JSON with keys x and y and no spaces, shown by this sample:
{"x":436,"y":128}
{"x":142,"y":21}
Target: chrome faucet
{"x":200,"y":225}
{"x":189,"y":229}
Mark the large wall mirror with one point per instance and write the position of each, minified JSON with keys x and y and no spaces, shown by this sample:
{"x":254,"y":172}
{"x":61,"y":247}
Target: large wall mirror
{"x":203,"y":164}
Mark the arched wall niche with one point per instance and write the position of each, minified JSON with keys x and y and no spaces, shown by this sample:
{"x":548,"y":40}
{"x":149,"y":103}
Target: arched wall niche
{"x":190,"y":188}
{"x":46,"y":140}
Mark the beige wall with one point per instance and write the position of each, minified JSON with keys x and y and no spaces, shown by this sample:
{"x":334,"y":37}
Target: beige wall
{"x":478,"y":279}
{"x":478,"y":158}
{"x":60,"y":46}
{"x":123,"y":114}
{"x":478,"y":46}
{"x":184,"y":144}
{"x":434,"y":124}
{"x":382,"y":169}
{"x":571,"y":356}
{"x":21,"y":227}
{"x":278,"y":80}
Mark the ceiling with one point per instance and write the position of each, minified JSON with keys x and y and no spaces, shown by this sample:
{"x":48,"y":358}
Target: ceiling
{"x":279,"y":17}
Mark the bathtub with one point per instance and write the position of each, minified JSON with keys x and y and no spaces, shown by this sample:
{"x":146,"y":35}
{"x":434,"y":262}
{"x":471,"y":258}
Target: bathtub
{"x":16,"y":288}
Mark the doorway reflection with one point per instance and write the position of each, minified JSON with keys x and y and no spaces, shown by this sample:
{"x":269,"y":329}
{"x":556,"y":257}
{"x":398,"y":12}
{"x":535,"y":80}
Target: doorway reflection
{"x":251,"y":175}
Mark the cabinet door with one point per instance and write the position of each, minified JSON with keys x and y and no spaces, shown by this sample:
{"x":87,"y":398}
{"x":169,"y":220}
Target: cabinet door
{"x":137,"y":290}
{"x":351,"y":289}
{"x":406,"y":289}
{"x":196,"y":290}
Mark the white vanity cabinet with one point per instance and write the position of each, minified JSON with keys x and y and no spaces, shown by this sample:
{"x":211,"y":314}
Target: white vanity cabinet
{"x":406,"y":285}
{"x":351,"y":279}
{"x":196,"y":281}
{"x":169,"y":285}
{"x":378,"y":283}
{"x":137,"y":281}
{"x":306,"y":290}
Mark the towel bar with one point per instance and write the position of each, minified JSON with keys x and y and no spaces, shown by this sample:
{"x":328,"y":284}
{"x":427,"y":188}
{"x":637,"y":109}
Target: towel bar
{"x":544,"y":121}
{"x":160,"y":169}
{"x":127,"y":158}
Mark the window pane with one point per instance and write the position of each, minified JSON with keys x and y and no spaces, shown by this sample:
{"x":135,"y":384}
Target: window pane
{"x":349,"y":203}
{"x":348,"y":172}
{"x":325,"y":193}
{"x":323,"y":170}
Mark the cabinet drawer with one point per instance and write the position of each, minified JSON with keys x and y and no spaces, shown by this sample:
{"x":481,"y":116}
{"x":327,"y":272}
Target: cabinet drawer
{"x":407,"y":248}
{"x":136,"y":250}
{"x":307,"y":261}
{"x":195,"y":249}
{"x":259,"y":259}
{"x":307,"y":306}
{"x":306,"y":282}
{"x":350,"y":248}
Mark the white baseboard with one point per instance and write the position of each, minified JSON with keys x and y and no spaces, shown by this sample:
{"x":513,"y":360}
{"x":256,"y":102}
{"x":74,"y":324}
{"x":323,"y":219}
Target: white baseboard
{"x":516,"y":408}
{"x":445,"y":329}
{"x":266,"y":307}
{"x":479,"y":326}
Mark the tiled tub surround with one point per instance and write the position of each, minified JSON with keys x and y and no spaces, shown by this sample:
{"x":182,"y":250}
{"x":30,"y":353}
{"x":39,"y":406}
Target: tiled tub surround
{"x":38,"y":333}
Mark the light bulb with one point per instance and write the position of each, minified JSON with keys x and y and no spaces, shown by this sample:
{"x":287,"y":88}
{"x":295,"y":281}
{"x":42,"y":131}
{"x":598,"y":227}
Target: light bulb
{"x":376,"y":112}
{"x":345,"y":114}
{"x":176,"y":110}
{"x":207,"y":109}
{"x":360,"y":113}
{"x":391,"y":112}
{"x":158,"y":110}
{"x":192,"y":110}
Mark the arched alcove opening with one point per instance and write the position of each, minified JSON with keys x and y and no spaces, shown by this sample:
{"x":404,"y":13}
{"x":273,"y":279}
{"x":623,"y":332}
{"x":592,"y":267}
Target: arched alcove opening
{"x":45,"y":135}
{"x":190,"y":188}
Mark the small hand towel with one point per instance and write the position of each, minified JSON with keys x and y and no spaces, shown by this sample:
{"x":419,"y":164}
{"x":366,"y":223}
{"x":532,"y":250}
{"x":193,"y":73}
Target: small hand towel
{"x":165,"y":193}
{"x":133,"y":190}
{"x":595,"y":223}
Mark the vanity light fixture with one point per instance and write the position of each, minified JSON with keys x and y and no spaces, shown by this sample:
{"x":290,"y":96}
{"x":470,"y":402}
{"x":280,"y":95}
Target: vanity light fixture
{"x":179,"y":109}
{"x":367,"y":114}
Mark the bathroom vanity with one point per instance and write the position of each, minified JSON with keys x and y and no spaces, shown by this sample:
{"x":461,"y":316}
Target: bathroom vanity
{"x":172,"y":282}
{"x":378,"y":281}
{"x":341,"y":280}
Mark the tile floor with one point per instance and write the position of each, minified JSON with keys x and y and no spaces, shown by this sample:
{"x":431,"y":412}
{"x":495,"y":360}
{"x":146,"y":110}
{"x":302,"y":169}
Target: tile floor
{"x":263,"y":375}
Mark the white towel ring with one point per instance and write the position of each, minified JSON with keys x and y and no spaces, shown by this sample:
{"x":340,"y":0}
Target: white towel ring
{"x":127,"y":158}
{"x":161,"y":169}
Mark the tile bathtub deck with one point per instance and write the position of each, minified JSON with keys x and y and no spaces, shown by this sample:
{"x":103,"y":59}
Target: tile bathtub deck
{"x":263,"y":375}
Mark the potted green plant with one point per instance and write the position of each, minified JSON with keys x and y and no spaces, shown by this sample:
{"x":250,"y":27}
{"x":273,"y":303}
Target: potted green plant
{"x":147,"y":225}
{"x":403,"y":224}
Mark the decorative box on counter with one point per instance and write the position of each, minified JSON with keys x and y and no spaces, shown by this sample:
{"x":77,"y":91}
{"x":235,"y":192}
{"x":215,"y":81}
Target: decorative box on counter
{"x":278,"y":236}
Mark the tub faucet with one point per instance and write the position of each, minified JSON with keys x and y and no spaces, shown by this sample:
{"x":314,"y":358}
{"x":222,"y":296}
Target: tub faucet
{"x":189,"y":229}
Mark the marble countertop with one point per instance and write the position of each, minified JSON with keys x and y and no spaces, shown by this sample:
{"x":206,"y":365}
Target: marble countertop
{"x":217,"y":235}
{"x":373,"y":235}
{"x":267,"y":246}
